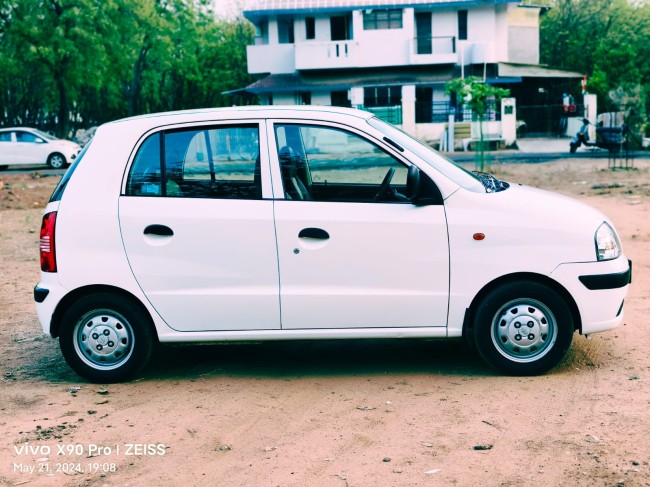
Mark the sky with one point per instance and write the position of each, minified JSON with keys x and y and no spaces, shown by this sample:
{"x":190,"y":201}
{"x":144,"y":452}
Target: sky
{"x":228,"y":8}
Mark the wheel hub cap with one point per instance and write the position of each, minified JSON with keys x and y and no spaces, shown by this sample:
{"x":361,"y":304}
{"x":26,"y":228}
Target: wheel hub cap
{"x":104,"y":340}
{"x":524,"y":330}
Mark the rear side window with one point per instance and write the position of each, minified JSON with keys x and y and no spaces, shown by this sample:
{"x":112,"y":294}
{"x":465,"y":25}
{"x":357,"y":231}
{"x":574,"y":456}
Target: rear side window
{"x":60,"y":188}
{"x":206,"y":162}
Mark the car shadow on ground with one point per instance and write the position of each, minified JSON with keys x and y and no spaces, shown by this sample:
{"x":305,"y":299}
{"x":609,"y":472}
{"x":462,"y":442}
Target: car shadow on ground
{"x":322,"y":358}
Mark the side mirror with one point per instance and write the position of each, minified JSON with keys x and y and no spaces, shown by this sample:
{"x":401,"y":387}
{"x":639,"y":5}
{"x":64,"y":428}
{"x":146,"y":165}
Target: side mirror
{"x":413,"y":182}
{"x":420,"y":190}
{"x":38,"y":140}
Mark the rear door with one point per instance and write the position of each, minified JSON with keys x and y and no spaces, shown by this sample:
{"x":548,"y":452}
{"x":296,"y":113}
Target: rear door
{"x":196,"y":216}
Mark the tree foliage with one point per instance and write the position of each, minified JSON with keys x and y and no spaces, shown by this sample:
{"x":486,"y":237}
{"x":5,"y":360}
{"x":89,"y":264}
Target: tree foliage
{"x":66,"y":64}
{"x":605,"y":39}
{"x":475,"y":94}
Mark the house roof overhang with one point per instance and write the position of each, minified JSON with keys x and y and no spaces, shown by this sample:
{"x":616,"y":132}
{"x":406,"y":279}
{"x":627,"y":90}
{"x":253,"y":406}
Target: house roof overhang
{"x":511,"y":70}
{"x":275,"y":83}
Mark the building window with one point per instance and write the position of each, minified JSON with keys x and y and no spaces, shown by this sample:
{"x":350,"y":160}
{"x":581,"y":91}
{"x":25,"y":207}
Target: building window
{"x":310,"y":28}
{"x":341,"y":28}
{"x":262,"y":33}
{"x":304,"y":98}
{"x":382,"y":19}
{"x":340,"y":99}
{"x":462,"y":25}
{"x":285,"y":30}
{"x":382,"y":96}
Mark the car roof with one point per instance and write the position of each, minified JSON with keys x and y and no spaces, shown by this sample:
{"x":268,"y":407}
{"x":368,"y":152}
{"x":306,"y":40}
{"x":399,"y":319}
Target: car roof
{"x":251,"y":111}
{"x":7,"y":129}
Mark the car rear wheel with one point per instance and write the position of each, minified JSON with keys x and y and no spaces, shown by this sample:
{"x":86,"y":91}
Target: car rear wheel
{"x":106,"y":338}
{"x":523,"y":328}
{"x":56,"y":161}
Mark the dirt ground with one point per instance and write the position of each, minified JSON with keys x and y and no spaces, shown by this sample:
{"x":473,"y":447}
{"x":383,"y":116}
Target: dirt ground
{"x":369,"y":413}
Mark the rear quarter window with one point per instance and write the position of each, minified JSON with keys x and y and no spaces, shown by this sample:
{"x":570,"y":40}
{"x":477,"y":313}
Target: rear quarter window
{"x":60,"y":188}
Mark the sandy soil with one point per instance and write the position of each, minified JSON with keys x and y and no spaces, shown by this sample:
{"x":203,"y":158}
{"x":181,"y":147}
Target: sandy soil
{"x":331,"y":413}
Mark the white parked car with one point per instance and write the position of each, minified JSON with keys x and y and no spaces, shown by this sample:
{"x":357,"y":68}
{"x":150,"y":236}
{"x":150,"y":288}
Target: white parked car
{"x":20,"y":146}
{"x":277,"y":223}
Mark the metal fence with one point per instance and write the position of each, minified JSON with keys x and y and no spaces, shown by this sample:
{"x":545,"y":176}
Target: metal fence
{"x":546,"y":120}
{"x":439,"y":112}
{"x":388,"y":114}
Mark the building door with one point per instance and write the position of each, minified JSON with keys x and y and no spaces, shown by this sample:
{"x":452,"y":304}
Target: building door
{"x":423,"y":43}
{"x":341,"y":27}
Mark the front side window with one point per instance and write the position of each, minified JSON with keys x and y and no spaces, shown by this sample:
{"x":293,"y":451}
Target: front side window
{"x":382,"y":19}
{"x":321,"y":163}
{"x":5,"y":136}
{"x":211,"y":162}
{"x":27,"y":137}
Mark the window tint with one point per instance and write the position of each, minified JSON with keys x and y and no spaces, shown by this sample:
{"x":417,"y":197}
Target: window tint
{"x":213,"y":162}
{"x":5,"y":136}
{"x":329,"y":164}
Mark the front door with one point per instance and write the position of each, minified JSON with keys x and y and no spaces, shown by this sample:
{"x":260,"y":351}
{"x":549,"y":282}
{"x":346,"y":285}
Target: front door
{"x":197,"y":232}
{"x":353,"y":251}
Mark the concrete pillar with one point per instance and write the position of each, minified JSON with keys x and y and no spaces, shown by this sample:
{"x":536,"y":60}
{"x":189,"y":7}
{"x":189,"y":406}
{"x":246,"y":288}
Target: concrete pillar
{"x":451,"y":132}
{"x":509,"y":120}
{"x":356,"y":96}
{"x":408,"y":109}
{"x":591,"y":114}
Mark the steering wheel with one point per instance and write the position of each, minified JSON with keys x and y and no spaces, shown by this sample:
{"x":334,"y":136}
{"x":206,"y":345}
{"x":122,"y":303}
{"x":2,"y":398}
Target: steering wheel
{"x":385,"y":185}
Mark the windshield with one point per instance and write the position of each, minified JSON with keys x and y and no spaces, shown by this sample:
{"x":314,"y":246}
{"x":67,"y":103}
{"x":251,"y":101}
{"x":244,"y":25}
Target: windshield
{"x":457,"y":174}
{"x":44,"y":135}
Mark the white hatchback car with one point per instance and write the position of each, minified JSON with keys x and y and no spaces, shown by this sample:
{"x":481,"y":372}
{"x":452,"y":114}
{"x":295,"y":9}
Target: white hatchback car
{"x":277,"y":223}
{"x":20,"y":146}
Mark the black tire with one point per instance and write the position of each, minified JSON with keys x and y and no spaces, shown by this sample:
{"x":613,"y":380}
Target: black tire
{"x":3,"y":168}
{"x":534,"y":307}
{"x":106,"y":338}
{"x":57,"y":161}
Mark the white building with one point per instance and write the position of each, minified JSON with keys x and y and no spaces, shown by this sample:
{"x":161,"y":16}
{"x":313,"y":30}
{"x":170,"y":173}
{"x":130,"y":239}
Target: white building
{"x":390,"y":57}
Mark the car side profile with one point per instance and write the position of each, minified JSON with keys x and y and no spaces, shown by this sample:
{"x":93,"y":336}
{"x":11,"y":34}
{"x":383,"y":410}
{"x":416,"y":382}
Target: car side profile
{"x":284,"y":223}
{"x":21,"y":146}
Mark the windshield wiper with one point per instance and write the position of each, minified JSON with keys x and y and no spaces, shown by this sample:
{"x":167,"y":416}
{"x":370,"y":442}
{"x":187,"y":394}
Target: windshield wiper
{"x":492,"y":184}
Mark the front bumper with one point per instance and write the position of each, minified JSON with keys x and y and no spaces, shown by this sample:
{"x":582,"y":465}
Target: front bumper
{"x":608,"y":281}
{"x":599,"y":289}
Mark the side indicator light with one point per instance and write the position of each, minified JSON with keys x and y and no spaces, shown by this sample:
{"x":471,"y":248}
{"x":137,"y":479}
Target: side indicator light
{"x":479,"y":236}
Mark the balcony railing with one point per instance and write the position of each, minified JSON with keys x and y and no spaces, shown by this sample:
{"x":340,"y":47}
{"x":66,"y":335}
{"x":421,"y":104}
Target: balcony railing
{"x":433,"y":50}
{"x":319,"y":55}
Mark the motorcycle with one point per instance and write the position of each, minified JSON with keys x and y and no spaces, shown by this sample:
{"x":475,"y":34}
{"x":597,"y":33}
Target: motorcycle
{"x":608,"y":138}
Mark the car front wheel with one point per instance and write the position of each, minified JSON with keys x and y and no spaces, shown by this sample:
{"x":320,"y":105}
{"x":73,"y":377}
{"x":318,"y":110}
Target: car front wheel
{"x":106,"y":338}
{"x":523,"y":328}
{"x":56,"y":161}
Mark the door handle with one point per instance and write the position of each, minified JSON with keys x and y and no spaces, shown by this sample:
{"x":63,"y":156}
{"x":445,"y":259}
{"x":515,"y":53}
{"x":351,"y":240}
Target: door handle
{"x":317,"y":233}
{"x":161,"y":230}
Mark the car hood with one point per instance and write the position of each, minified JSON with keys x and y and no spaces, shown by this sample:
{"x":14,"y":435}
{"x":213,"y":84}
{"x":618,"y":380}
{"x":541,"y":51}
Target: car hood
{"x":522,"y":218}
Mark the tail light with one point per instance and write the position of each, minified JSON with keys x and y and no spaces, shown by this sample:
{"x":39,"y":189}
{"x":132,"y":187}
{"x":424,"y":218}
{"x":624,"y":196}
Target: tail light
{"x":48,"y":251}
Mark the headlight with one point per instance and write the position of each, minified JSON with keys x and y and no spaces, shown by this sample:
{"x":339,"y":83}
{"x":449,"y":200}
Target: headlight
{"x":607,"y":245}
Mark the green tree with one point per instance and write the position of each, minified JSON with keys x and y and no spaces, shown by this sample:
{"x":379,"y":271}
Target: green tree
{"x":66,"y":64}
{"x":605,"y":39}
{"x":476,"y":94}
